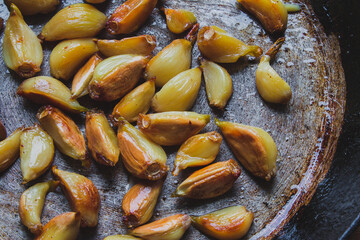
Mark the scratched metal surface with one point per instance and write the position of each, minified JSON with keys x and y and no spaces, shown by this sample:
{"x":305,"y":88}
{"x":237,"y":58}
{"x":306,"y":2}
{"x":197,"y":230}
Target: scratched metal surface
{"x":305,"y":130}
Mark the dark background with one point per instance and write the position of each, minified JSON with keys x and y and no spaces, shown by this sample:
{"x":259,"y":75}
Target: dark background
{"x":333,"y":213}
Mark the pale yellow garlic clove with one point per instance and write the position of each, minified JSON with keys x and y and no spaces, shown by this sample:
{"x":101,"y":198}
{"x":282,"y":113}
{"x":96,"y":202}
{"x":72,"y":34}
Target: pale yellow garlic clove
{"x":291,"y":8}
{"x":79,"y":20}
{"x":22,"y":51}
{"x":172,"y":128}
{"x":32,"y":203}
{"x":95,"y":1}
{"x":179,"y":20}
{"x":3,"y":133}
{"x":218,"y":84}
{"x":230,"y":223}
{"x":10,"y":149}
{"x":138,"y":45}
{"x":135,"y":102}
{"x":69,"y":55}
{"x":66,"y":134}
{"x":252,"y":146}
{"x":141,"y":157}
{"x":101,"y":138}
{"x":64,"y":226}
{"x":30,"y":7}
{"x":169,"y":228}
{"x":209,"y":182}
{"x":48,"y":90}
{"x":199,"y":150}
{"x":116,"y":76}
{"x":36,"y":152}
{"x":82,"y":195}
{"x":121,"y":237}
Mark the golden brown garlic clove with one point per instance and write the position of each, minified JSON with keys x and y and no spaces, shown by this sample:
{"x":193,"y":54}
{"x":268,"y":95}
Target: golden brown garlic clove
{"x":199,"y":150}
{"x":138,"y":45}
{"x":169,"y":228}
{"x":30,"y":7}
{"x":252,"y":146}
{"x":139,"y":202}
{"x":121,"y":237}
{"x":3,"y":133}
{"x":230,"y":223}
{"x":69,"y":55}
{"x":22,"y":51}
{"x":101,"y":138}
{"x":64,"y":226}
{"x":171,"y":128}
{"x":116,"y":76}
{"x":219,"y":46}
{"x":82,"y":195}
{"x":179,"y":20}
{"x":66,"y":134}
{"x":179,"y":93}
{"x":48,"y":90}
{"x":130,"y":16}
{"x":10,"y":149}
{"x":32,"y":203}
{"x":141,"y":157}
{"x":209,"y":182}
{"x":79,"y":20}
{"x":36,"y":152}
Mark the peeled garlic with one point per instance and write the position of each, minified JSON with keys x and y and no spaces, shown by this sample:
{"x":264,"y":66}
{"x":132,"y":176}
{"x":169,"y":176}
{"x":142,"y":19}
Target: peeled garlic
{"x":121,"y":237}
{"x":82,"y":195}
{"x":22,"y":51}
{"x":2,"y":131}
{"x":65,"y":226}
{"x":95,"y":1}
{"x":66,"y":134}
{"x":141,"y":157}
{"x":10,"y":149}
{"x":48,"y":90}
{"x":30,"y":7}
{"x":199,"y":150}
{"x":252,"y":146}
{"x":169,"y":228}
{"x":36,"y":152}
{"x":139,"y":45}
{"x":101,"y":138}
{"x":79,"y":20}
{"x":230,"y":223}
{"x":32,"y":203}
{"x":135,"y":102}
{"x":209,"y":182}
{"x":139,"y":202}
{"x":172,"y":128}
{"x":218,"y":84}
{"x":219,"y":46}
{"x":130,"y":16}
{"x":116,"y":76}
{"x":179,"y":20}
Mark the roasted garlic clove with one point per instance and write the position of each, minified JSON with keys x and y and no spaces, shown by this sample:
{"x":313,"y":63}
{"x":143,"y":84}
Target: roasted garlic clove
{"x":3,"y":133}
{"x":32,"y":203}
{"x":36,"y":152}
{"x":179,"y":20}
{"x":64,"y":226}
{"x":48,"y":90}
{"x":169,"y":228}
{"x":252,"y":146}
{"x":82,"y":195}
{"x":172,"y":128}
{"x":30,"y":7}
{"x":130,"y":16}
{"x":101,"y":138}
{"x":141,"y":157}
{"x":22,"y":51}
{"x":95,"y":1}
{"x":271,"y":13}
{"x":121,"y":237}
{"x":179,"y":93}
{"x":270,"y":85}
{"x":69,"y":55}
{"x":230,"y":223}
{"x":139,"y":202}
{"x":66,"y":134}
{"x":116,"y":76}
{"x":79,"y":20}
{"x":10,"y":149}
{"x":209,"y":182}
{"x":138,"y":45}
{"x":218,"y":46}
{"x":135,"y":102}
{"x":199,"y":150}
{"x":83,"y":77}
{"x":218,"y":84}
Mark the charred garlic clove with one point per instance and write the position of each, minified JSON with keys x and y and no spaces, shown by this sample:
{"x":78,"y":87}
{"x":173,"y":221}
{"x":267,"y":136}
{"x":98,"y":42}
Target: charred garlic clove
{"x":3,"y":133}
{"x":10,"y":149}
{"x":179,"y":20}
